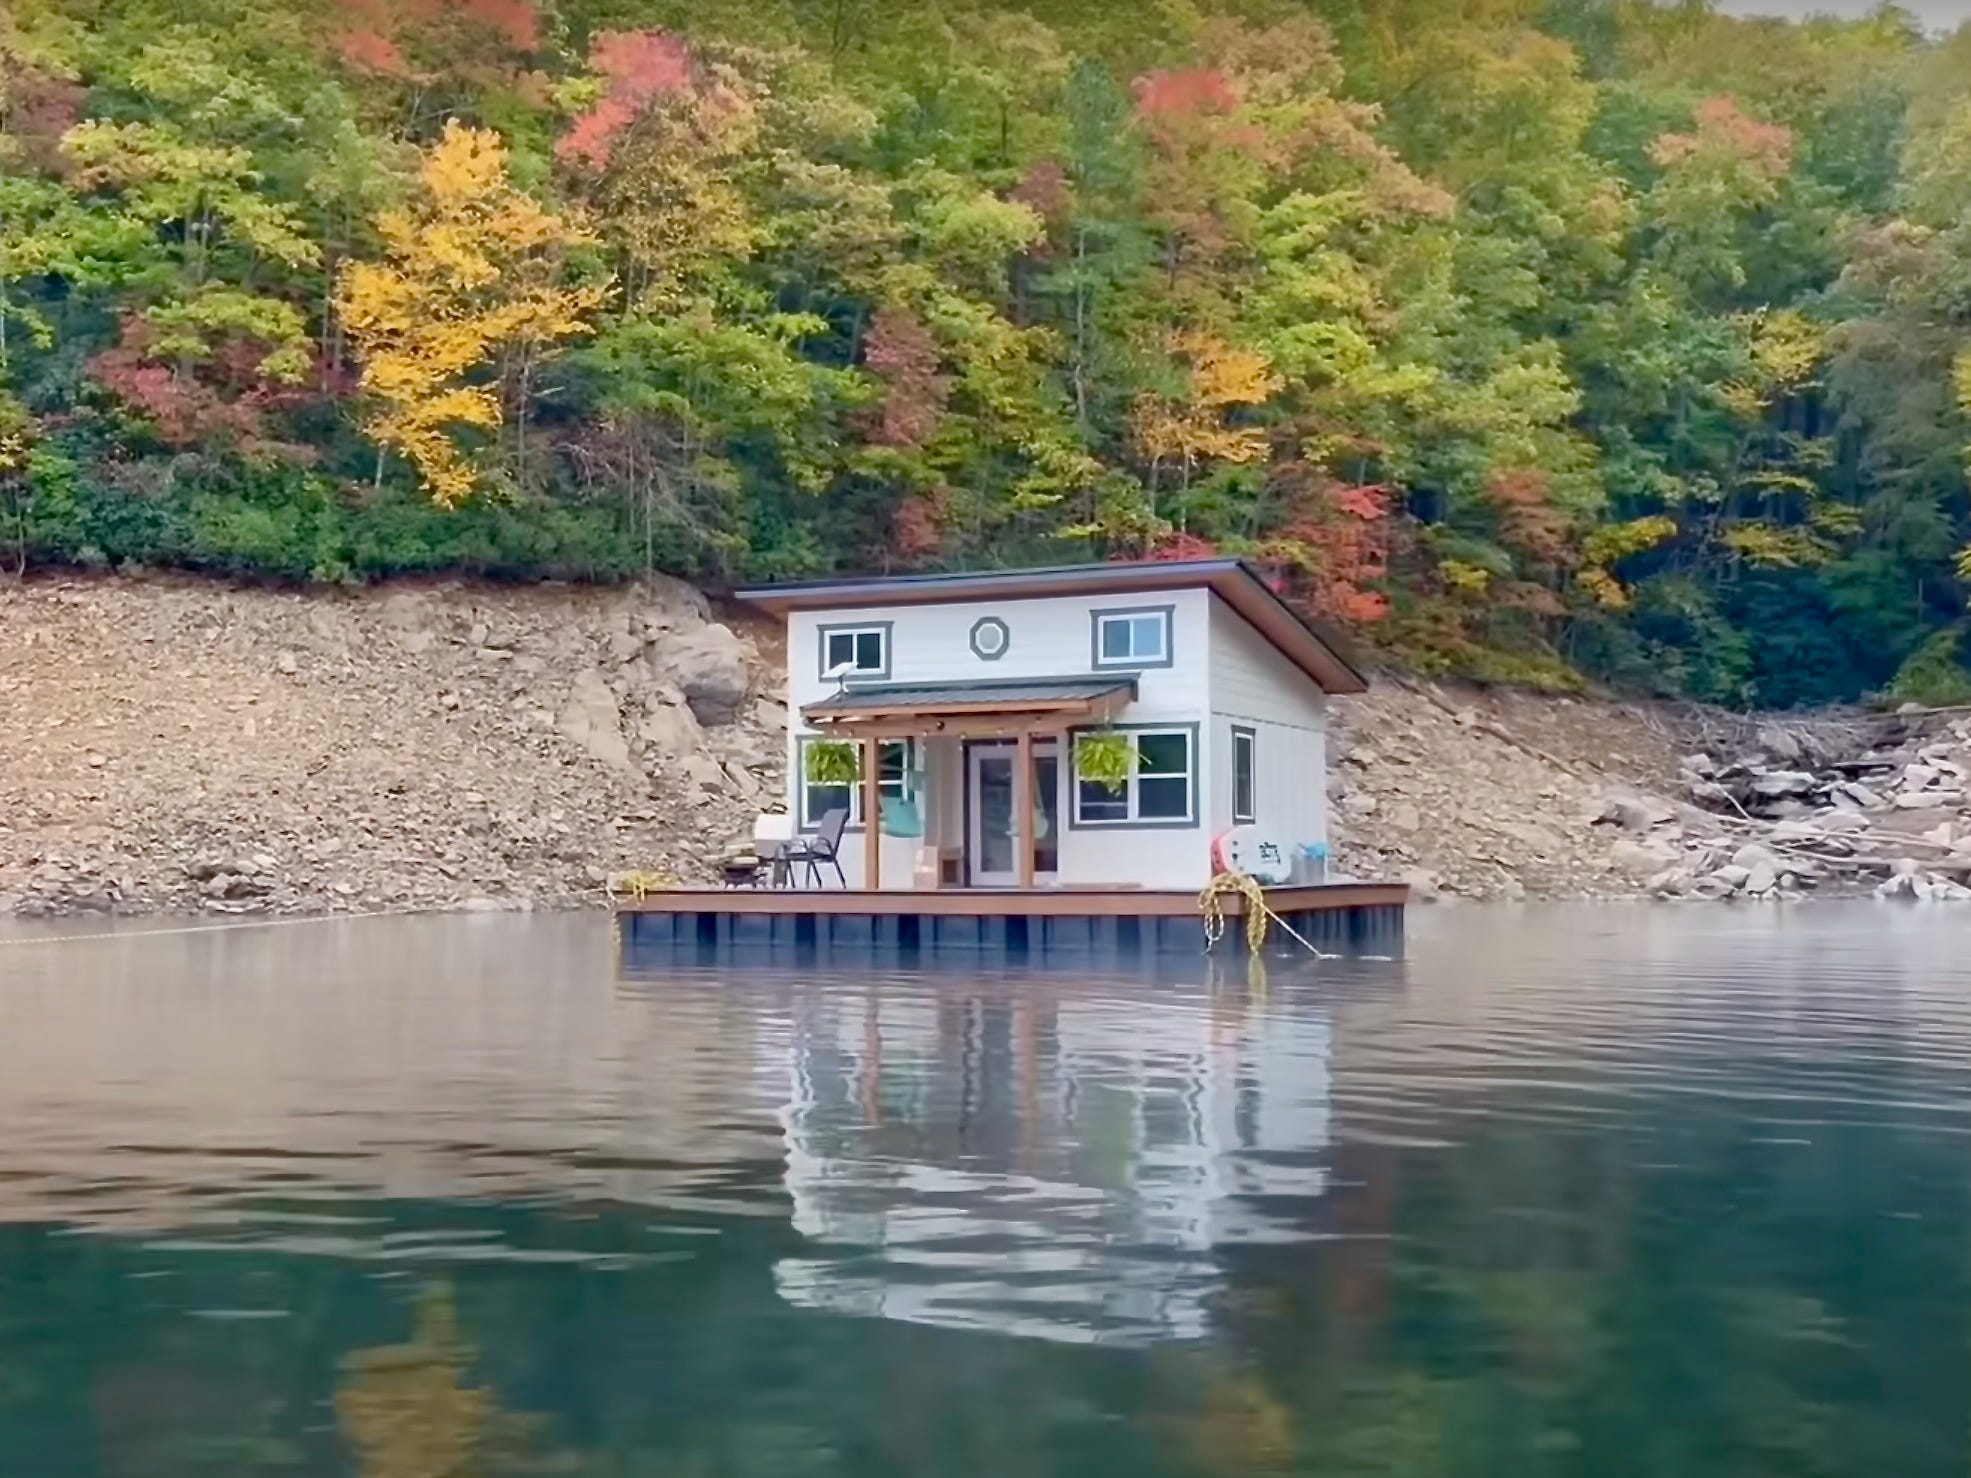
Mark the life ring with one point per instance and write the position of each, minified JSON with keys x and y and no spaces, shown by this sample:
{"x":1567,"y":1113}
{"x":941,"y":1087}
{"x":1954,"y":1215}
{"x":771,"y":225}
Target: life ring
{"x":1255,"y":852}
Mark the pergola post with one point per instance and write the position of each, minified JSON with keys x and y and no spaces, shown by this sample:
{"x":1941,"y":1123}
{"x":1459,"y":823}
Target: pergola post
{"x":1023,"y":804}
{"x":872,"y":817}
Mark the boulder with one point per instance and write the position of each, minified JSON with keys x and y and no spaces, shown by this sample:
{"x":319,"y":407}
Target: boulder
{"x":1781,"y":744}
{"x":1854,"y":793}
{"x":1633,"y":812}
{"x":590,"y":719}
{"x":1752,"y":856}
{"x":1761,"y":878}
{"x":1670,"y":882}
{"x":625,"y":642}
{"x":1783,"y":784}
{"x":1423,"y":885}
{"x":709,"y":665}
{"x":1637,"y":860}
{"x":670,"y":730}
{"x":1839,"y":823}
{"x":1927,"y":800}
{"x":670,"y":603}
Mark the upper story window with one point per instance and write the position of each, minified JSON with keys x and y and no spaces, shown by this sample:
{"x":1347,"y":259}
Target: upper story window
{"x":1245,"y":779}
{"x":856,"y":651}
{"x":1133,"y":638}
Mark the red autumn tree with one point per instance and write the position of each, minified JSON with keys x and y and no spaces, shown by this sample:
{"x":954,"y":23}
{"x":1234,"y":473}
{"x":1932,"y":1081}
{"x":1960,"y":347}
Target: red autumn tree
{"x":1334,"y":546}
{"x":637,"y":67}
{"x":903,"y":355}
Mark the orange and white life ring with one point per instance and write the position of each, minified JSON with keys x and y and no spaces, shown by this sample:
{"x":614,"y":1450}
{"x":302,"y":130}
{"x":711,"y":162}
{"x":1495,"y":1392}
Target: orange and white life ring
{"x":1257,"y":851}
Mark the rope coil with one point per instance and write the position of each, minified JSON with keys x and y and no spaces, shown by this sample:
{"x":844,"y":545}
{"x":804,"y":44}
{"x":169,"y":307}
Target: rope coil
{"x":1259,"y":914}
{"x":1211,"y":906}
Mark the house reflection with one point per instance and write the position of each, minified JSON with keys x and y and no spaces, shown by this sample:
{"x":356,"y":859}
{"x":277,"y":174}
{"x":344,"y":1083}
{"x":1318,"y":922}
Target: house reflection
{"x":1039,"y":1164}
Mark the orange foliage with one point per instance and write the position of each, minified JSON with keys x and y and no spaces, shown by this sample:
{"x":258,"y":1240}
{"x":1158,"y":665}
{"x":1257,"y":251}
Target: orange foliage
{"x":1724,"y":130}
{"x":1177,"y":546}
{"x":1527,"y":521}
{"x":371,"y":51}
{"x":916,"y":528}
{"x":639,"y":66}
{"x":1334,"y":545}
{"x":1168,"y":100}
{"x":36,"y":109}
{"x":904,"y":356}
{"x":377,"y":34}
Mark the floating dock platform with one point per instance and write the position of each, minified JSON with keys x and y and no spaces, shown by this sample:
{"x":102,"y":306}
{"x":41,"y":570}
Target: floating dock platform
{"x":996,"y":924}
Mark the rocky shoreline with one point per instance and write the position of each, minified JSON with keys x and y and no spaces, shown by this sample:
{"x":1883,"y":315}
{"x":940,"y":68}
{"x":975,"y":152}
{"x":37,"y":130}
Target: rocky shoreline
{"x":176,"y":745}
{"x":1847,"y":805}
{"x":181,"y":746}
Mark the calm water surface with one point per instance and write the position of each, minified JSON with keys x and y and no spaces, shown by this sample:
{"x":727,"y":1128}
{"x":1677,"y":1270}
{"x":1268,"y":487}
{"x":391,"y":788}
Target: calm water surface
{"x":1600,"y":1192}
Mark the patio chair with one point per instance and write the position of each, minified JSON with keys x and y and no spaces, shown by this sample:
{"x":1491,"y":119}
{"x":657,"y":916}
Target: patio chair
{"x":823,"y":847}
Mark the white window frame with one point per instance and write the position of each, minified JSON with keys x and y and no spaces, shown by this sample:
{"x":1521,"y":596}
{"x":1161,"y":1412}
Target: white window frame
{"x":1245,"y":748}
{"x":898,"y":754}
{"x":1131,"y":797}
{"x":881,"y":630}
{"x":1163,"y":616}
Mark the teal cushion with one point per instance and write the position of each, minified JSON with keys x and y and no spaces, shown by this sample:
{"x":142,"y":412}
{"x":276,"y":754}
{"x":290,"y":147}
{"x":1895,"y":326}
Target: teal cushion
{"x":901,"y":819}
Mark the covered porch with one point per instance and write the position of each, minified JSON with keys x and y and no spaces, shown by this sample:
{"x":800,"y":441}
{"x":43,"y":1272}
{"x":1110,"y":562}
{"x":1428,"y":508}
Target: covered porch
{"x":961,"y":785}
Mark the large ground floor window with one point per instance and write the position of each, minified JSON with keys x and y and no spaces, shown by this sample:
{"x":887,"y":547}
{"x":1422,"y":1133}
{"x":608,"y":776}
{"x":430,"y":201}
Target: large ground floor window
{"x":896,"y":781}
{"x":1161,"y":789}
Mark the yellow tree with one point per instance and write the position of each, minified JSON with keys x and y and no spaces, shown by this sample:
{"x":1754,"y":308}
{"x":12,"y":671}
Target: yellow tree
{"x":1194,"y":428}
{"x":473,"y":293}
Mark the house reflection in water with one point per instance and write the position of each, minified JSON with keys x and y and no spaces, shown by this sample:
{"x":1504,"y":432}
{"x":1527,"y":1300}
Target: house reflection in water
{"x":1061,"y":1168}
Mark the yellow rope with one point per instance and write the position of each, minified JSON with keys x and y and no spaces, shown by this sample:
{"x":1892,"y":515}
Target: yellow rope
{"x":1257,"y":913}
{"x":639,"y":885}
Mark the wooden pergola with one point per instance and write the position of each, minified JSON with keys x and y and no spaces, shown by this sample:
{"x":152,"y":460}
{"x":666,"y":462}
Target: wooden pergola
{"x":1018,"y":711}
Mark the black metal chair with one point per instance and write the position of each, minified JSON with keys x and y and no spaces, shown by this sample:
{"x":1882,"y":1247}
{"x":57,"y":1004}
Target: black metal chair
{"x":823,"y":847}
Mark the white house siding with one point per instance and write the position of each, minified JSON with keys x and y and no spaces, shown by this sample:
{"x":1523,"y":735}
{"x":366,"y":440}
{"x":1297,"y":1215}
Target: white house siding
{"x":1254,"y":687}
{"x":1050,"y":638}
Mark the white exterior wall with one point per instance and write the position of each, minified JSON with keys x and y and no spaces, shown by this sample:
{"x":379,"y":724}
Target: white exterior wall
{"x":1254,"y":687}
{"x":1051,"y":639}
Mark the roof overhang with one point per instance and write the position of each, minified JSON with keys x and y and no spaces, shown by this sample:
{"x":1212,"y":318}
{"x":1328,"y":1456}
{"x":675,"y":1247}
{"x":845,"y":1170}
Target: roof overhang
{"x":1314,"y":649}
{"x":969,"y":710}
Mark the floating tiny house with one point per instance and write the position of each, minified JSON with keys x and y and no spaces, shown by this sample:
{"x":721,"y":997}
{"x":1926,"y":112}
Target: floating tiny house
{"x":1046,"y":744}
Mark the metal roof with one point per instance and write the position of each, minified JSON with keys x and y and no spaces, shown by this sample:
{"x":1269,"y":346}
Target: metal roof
{"x":1317,"y":651}
{"x":960,"y":697}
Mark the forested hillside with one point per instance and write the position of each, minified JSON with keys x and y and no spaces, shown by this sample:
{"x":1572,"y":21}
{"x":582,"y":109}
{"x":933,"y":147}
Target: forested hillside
{"x":1534,"y":341}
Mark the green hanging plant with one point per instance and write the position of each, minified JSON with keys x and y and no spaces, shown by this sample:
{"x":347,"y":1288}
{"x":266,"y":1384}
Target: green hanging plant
{"x":1106,"y":759}
{"x":832,"y":762}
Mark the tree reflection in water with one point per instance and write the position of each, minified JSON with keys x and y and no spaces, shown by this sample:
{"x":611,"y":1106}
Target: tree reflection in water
{"x":409,"y":1411}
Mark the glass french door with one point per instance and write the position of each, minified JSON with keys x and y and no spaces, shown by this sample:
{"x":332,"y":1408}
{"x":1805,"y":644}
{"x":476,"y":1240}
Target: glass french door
{"x":993,"y":815}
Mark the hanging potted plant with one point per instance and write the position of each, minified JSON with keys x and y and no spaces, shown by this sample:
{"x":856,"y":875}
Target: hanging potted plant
{"x":1107,"y":759}
{"x":832,"y":762}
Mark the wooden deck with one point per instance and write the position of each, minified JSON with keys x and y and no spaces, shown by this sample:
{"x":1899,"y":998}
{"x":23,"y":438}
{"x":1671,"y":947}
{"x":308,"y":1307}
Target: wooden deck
{"x":995,"y":922}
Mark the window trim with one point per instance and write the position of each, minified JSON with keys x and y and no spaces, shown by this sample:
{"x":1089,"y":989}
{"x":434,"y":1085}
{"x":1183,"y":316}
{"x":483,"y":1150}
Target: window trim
{"x":1006,"y":634}
{"x":884,"y":629}
{"x":1193,"y":818}
{"x":912,"y":763}
{"x":1131,"y":664}
{"x":1245,"y":740}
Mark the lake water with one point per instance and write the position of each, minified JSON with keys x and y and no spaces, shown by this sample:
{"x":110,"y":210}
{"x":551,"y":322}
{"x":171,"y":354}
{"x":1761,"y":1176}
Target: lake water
{"x":1595,"y":1192}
